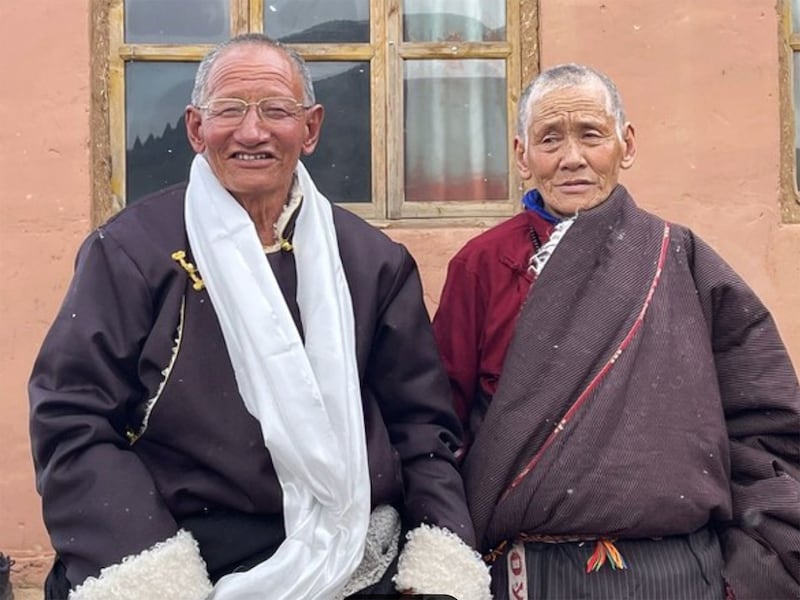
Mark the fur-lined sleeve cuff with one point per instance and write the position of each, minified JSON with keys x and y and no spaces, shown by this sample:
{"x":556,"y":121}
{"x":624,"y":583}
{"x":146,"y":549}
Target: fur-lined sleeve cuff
{"x":436,"y":561}
{"x":170,"y":569}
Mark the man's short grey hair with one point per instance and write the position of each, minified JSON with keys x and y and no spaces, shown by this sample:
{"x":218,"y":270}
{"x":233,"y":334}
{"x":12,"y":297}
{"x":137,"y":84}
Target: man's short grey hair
{"x":567,"y":75}
{"x":200,"y":90}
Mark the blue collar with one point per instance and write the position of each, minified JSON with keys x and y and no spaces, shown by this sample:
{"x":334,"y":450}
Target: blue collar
{"x":532,"y":200}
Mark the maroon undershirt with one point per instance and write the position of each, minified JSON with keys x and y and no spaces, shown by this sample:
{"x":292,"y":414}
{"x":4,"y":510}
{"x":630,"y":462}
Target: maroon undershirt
{"x":487,"y":282}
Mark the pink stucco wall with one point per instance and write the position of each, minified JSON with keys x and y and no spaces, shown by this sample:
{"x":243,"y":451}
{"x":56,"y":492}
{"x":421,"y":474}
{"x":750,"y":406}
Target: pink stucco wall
{"x":44,"y":212}
{"x":700,"y":80}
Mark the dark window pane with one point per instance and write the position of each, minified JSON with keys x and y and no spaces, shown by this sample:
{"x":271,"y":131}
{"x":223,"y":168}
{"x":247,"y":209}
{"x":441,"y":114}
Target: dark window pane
{"x":317,"y":21}
{"x":158,"y":153}
{"x":454,"y":20}
{"x":176,"y":21}
{"x":455,"y":130}
{"x":341,"y":165}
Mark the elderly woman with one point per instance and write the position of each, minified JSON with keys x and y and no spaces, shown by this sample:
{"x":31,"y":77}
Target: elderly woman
{"x":633,"y":412}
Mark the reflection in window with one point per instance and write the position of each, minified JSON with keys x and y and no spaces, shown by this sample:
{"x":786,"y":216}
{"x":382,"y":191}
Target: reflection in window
{"x":342,"y":164}
{"x":158,"y":153}
{"x":454,"y":20}
{"x":176,"y":21}
{"x":317,"y":21}
{"x":456,"y":130}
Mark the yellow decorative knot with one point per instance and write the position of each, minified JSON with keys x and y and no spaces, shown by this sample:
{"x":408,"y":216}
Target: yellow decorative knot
{"x":180,"y":257}
{"x":131,"y":435}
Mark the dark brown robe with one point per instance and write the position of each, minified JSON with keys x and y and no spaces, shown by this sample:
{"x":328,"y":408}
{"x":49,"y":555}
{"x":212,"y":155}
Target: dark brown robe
{"x":696,"y":422}
{"x":201,"y":457}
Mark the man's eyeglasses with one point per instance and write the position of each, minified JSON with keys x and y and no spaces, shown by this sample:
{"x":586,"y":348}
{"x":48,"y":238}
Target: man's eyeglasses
{"x":231,"y":111}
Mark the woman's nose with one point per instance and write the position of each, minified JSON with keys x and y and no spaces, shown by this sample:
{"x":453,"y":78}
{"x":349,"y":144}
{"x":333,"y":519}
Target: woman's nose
{"x":573,"y":154}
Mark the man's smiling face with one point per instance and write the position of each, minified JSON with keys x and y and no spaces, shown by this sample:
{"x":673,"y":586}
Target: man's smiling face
{"x":256,"y":158}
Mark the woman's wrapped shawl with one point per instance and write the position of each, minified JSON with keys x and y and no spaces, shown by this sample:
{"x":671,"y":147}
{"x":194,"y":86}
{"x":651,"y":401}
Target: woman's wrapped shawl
{"x":695,"y":421}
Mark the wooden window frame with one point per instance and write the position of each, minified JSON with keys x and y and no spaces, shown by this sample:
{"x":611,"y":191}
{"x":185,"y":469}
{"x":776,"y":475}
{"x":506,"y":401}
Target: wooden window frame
{"x":385,"y":52}
{"x":789,"y":45}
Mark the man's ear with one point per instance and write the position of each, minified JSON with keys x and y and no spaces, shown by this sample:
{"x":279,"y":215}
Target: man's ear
{"x":194,"y":128}
{"x":314,"y":117}
{"x":628,"y":146}
{"x":520,"y":155}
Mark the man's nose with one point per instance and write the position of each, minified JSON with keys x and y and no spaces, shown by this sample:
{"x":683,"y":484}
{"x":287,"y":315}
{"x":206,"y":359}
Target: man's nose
{"x":252,"y":125}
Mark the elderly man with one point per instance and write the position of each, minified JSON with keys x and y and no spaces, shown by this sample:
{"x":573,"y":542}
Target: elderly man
{"x":633,"y":413}
{"x":241,"y":389}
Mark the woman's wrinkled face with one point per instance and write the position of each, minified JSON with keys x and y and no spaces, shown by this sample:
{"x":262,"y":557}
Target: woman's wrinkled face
{"x":572,"y":151}
{"x":256,"y":158}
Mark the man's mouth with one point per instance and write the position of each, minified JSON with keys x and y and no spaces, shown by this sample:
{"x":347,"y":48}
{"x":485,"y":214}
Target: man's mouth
{"x":252,"y":156}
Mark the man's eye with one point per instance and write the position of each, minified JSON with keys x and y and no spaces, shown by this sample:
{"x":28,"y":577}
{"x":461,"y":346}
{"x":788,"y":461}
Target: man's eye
{"x":227,"y":111}
{"x":276,"y":112}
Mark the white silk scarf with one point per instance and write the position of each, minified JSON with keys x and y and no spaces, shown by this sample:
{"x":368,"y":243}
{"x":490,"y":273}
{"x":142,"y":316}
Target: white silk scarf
{"x":307,"y":399}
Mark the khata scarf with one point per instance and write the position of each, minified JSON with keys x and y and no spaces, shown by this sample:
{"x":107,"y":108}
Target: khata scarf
{"x":307,"y":399}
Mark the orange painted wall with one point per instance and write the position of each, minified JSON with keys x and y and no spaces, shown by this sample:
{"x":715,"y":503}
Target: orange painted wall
{"x":700,"y":81}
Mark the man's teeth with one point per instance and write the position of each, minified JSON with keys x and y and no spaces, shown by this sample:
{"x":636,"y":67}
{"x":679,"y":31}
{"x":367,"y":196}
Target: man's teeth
{"x":252,"y":156}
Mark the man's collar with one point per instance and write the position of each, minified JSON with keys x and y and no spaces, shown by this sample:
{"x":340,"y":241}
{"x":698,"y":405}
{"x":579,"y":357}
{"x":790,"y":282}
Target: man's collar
{"x":284,"y":226}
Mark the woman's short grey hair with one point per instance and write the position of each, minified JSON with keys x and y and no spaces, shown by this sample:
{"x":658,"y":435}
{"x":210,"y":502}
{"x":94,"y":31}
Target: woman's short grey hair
{"x":200,"y":90}
{"x":566,"y":75}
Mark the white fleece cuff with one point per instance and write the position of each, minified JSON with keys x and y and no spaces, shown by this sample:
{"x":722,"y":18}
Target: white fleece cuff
{"x":170,"y":569}
{"x":436,"y":561}
{"x":380,"y":549}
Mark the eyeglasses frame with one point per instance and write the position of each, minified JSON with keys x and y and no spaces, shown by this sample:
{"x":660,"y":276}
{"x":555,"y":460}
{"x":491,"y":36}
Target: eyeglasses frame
{"x":299,"y":105}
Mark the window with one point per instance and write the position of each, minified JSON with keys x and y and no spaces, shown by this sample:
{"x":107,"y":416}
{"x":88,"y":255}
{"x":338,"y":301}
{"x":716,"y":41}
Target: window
{"x":420,"y":97}
{"x":790,"y":111}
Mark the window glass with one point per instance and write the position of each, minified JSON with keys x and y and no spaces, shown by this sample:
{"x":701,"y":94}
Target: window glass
{"x":796,"y":80}
{"x":449,"y":132}
{"x":342,"y":163}
{"x":176,"y":21}
{"x":158,"y":153}
{"x":454,"y":20}
{"x":796,"y":16}
{"x":317,"y":21}
{"x":456,"y":130}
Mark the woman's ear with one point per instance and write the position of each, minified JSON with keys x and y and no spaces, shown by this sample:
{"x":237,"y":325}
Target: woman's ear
{"x":628,"y":146}
{"x":521,"y":157}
